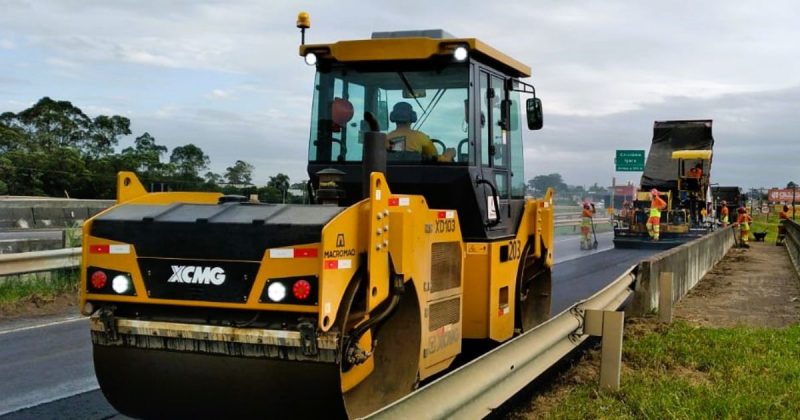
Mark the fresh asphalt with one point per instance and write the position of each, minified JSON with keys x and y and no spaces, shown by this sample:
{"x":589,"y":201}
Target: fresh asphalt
{"x":46,"y":364}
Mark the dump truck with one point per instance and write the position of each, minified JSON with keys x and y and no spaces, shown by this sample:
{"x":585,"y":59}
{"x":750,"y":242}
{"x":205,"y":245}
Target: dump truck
{"x":678,"y":166}
{"x":202,"y":304}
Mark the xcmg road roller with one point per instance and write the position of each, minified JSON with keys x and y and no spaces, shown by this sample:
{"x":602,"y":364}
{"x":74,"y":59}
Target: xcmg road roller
{"x":207,"y":305}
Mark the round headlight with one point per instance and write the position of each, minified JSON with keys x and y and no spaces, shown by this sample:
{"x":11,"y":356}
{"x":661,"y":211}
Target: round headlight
{"x":460,"y":53}
{"x":121,"y":283}
{"x":276,"y":292}
{"x":311,"y":59}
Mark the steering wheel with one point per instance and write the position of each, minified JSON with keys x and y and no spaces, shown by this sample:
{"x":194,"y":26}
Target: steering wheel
{"x":459,"y":153}
{"x":438,"y":142}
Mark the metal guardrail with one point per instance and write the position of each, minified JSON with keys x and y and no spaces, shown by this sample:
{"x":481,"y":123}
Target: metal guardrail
{"x":574,"y":219}
{"x":477,"y":388}
{"x":792,"y":242}
{"x":32,"y":262}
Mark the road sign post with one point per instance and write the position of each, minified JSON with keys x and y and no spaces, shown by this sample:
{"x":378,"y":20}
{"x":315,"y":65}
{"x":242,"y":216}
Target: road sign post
{"x":629,"y":161}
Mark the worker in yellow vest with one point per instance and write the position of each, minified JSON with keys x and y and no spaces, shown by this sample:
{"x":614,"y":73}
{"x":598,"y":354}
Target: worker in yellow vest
{"x":743,"y":220}
{"x":654,"y":221}
{"x":723,"y":212}
{"x":586,"y":226}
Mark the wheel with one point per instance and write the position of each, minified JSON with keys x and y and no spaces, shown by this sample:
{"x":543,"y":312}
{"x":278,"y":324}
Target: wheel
{"x":395,"y":358}
{"x":534,"y":289}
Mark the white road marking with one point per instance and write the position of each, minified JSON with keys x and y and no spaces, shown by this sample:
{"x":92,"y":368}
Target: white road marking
{"x":71,"y":318}
{"x":48,"y":395}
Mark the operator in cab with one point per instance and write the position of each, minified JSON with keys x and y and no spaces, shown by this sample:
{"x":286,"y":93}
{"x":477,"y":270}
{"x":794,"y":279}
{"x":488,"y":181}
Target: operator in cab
{"x":406,"y":139}
{"x":696,"y":172}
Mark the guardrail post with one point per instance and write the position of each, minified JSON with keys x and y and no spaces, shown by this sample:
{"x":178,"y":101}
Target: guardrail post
{"x":609,"y":325}
{"x":665,"y":297}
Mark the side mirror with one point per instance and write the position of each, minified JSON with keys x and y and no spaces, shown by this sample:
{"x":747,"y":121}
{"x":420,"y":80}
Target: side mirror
{"x":533,"y":107}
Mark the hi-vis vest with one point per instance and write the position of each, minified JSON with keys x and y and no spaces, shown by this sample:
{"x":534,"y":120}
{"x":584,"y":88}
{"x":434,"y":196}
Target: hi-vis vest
{"x":654,"y":212}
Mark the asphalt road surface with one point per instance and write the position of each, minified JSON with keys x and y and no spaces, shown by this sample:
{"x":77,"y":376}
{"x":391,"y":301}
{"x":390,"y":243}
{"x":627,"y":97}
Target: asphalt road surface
{"x":46,"y":364}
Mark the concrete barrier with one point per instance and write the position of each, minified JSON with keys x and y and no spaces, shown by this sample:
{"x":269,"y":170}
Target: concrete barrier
{"x":47,"y":212}
{"x":688,"y":263}
{"x":793,"y":243}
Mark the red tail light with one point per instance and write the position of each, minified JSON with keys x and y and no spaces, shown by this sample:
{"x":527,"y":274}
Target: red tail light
{"x":301,"y":289}
{"x":99,"y":279}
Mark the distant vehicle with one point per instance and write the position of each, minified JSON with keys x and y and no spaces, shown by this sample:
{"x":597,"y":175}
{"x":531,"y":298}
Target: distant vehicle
{"x":679,"y":167}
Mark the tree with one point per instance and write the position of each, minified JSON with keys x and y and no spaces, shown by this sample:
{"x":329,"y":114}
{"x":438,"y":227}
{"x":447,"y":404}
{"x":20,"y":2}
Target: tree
{"x":280,"y":183}
{"x":104,"y":135}
{"x":145,"y":157}
{"x":53,"y":124}
{"x":791,"y":185}
{"x":187,"y":162}
{"x":539,"y":184}
{"x":241,"y":173}
{"x":596,"y":189}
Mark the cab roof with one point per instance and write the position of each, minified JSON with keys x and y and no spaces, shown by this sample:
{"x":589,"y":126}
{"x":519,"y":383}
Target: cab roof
{"x":414,"y":45}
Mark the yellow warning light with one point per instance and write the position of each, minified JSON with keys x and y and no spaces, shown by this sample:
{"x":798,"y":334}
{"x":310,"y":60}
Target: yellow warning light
{"x":303,"y":20}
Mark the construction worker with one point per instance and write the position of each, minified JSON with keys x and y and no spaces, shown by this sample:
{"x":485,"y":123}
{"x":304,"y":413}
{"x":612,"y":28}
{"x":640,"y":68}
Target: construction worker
{"x":743,"y":221}
{"x":696,"y":172}
{"x":654,"y":221}
{"x":405,"y":138}
{"x":586,"y":225}
{"x":723,"y":213}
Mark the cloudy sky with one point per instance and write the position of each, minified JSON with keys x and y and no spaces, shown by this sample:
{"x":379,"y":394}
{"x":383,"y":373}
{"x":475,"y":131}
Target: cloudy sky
{"x":225,"y":75}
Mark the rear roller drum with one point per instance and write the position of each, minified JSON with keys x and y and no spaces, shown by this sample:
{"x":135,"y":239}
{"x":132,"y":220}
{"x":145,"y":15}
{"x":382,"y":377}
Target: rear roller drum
{"x":395,"y":359}
{"x":534,"y":287}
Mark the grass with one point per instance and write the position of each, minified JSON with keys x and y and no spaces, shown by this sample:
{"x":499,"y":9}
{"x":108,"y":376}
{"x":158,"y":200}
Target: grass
{"x":37,"y":286}
{"x":685,"y":372}
{"x":768,"y":222}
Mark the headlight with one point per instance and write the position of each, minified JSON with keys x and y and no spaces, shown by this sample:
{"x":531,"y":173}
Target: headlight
{"x":276,"y":291}
{"x":311,"y":59}
{"x":460,"y":53}
{"x":121,"y":283}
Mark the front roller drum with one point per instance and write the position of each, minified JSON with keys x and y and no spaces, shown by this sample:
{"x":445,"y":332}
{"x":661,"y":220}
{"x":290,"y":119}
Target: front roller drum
{"x":150,"y":383}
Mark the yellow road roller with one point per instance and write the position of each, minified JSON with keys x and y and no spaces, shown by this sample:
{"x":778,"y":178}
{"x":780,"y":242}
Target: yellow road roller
{"x":420,"y":238}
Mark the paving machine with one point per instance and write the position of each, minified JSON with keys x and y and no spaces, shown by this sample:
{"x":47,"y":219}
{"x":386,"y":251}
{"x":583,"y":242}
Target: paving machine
{"x":207,"y":305}
{"x":679,"y":167}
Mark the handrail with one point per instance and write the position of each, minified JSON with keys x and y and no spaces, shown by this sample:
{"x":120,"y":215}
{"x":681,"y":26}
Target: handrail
{"x":32,"y":262}
{"x":477,"y":388}
{"x":792,"y":242}
{"x":574,"y":219}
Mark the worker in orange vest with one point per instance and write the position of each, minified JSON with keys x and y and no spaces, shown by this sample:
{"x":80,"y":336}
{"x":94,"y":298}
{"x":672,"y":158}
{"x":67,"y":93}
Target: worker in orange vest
{"x":654,"y":221}
{"x":784,"y":214}
{"x":723,"y":212}
{"x":586,"y":225}
{"x":696,"y":172}
{"x":743,"y":221}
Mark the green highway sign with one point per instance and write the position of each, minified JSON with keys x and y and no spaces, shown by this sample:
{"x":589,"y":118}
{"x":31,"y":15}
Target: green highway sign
{"x":629,"y":160}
